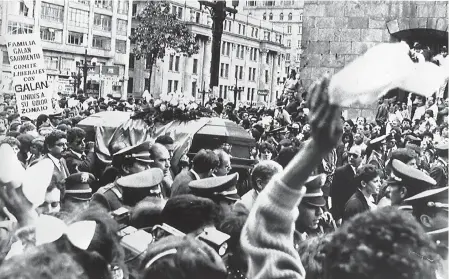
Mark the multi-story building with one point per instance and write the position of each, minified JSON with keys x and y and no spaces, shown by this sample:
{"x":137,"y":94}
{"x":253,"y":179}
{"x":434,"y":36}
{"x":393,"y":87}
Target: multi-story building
{"x":252,"y":58}
{"x":71,"y":31}
{"x":287,"y":14}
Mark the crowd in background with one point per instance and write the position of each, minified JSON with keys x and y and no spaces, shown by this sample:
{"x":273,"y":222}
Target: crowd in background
{"x":374,"y":205}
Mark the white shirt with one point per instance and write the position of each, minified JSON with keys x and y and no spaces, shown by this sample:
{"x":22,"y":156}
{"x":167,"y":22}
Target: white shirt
{"x":55,"y":161}
{"x":370,"y":202}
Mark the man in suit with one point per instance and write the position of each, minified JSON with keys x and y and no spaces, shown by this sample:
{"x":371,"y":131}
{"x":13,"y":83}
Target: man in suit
{"x":77,"y":160}
{"x":344,"y":183}
{"x":203,"y":165}
{"x":55,"y":145}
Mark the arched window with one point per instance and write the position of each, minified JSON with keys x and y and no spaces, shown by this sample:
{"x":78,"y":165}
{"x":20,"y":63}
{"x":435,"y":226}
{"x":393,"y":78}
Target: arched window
{"x":264,"y":16}
{"x":281,"y":16}
{"x":271,"y":16}
{"x":290,"y":16}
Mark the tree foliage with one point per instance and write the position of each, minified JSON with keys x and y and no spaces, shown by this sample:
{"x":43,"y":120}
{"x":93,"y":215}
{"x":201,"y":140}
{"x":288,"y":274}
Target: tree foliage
{"x":158,"y":31}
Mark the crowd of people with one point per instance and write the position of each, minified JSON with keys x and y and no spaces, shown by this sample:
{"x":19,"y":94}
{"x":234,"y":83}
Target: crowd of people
{"x":327,"y":197}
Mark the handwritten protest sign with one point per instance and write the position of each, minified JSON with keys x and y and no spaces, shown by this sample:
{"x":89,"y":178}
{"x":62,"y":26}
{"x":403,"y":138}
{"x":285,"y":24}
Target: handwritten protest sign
{"x":30,"y":84}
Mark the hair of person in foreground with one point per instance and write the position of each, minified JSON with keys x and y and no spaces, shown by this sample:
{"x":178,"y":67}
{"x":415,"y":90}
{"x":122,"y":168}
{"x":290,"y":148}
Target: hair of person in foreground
{"x":42,"y":262}
{"x":380,"y":244}
{"x":175,"y":257}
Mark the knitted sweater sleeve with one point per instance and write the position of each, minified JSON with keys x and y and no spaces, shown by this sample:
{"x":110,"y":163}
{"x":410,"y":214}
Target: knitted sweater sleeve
{"x":267,"y":237}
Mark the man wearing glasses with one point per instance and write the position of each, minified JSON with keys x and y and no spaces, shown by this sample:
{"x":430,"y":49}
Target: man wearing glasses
{"x":55,"y":145}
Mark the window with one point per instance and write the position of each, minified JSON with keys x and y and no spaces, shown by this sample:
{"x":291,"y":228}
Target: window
{"x":227,"y":71}
{"x":269,"y":3}
{"x":244,"y":30}
{"x":299,"y":43}
{"x":197,"y":17}
{"x":52,"y":12}
{"x":101,"y":43}
{"x":271,"y":16}
{"x":177,"y":11}
{"x":147,"y":83}
{"x":287,"y":57}
{"x":289,"y":29}
{"x":175,"y":85}
{"x":236,"y":71}
{"x":122,"y":7}
{"x":177,"y":59}
{"x":78,"y":17}
{"x":85,"y":2}
{"x":104,"y":4}
{"x":240,"y":28}
{"x":252,"y":3}
{"x":289,"y":43}
{"x":120,"y":46}
{"x":23,"y":9}
{"x":281,"y":16}
{"x":222,"y":68}
{"x":51,"y":35}
{"x":102,"y":22}
{"x":225,"y":93}
{"x":130,"y":85}
{"x":51,"y":62}
{"x":290,"y":16}
{"x":193,"y":88}
{"x":225,"y":48}
{"x":242,"y":52}
{"x":300,"y":17}
{"x":300,"y":29}
{"x":122,"y":26}
{"x":134,"y":10}
{"x":170,"y":62}
{"x":195,"y":66}
{"x":266,"y":76}
{"x":170,"y":86}
{"x":298,"y":57}
{"x":241,"y":72}
{"x":16,"y":28}
{"x":267,"y":58}
{"x":256,"y":33}
{"x":75,"y":38}
{"x":131,"y":60}
{"x":279,"y":60}
{"x":248,"y":94}
{"x":264,"y":16}
{"x":254,"y":74}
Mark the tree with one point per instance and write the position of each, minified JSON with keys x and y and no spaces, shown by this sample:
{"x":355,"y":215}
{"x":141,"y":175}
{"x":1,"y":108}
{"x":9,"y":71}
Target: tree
{"x":158,"y":31}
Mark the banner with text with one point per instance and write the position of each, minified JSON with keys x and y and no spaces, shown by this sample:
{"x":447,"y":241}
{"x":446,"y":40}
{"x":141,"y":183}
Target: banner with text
{"x":30,"y":84}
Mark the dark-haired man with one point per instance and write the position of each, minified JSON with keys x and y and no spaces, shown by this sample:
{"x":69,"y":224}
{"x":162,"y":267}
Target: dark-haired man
{"x":76,"y":158}
{"x":56,"y":144}
{"x":203,"y":165}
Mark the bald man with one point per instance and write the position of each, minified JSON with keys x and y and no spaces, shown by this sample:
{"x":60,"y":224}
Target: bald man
{"x":161,"y":157}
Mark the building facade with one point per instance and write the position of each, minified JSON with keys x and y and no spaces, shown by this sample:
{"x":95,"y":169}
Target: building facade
{"x":68,"y":28}
{"x":252,"y":58}
{"x":287,"y":14}
{"x":337,"y":32}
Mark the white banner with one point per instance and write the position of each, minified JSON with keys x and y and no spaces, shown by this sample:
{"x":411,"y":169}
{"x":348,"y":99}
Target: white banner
{"x":30,"y":84}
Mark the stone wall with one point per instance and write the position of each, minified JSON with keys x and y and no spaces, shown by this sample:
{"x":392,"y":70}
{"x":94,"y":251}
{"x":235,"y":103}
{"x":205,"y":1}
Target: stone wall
{"x":336,"y":32}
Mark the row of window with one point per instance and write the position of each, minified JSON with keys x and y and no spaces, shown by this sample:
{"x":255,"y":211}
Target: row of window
{"x":250,"y":93}
{"x":224,"y":72}
{"x":281,"y":16}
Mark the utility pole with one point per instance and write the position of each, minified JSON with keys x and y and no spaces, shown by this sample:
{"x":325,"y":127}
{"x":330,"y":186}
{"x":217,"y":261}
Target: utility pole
{"x":219,"y":11}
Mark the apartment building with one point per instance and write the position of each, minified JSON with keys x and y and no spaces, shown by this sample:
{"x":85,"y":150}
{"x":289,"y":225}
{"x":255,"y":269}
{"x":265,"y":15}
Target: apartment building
{"x":73,"y":31}
{"x":252,"y":58}
{"x":286,"y":14}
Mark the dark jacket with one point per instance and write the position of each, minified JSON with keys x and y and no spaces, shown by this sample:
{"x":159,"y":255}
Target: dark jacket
{"x":342,"y":187}
{"x":355,"y":205}
{"x":181,"y":182}
{"x":109,"y":197}
{"x":76,"y":164}
{"x":59,"y":174}
{"x":439,"y":172}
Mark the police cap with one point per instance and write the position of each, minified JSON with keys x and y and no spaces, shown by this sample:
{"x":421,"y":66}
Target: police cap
{"x":139,"y":152}
{"x":78,"y":186}
{"x":314,"y":194}
{"x":221,"y":186}
{"x":144,"y":179}
{"x":433,"y":198}
{"x":410,"y":177}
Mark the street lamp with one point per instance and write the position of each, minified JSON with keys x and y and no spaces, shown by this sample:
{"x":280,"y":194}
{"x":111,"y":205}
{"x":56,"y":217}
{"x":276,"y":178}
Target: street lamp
{"x":236,"y":91}
{"x":86,"y":67}
{"x":218,"y":11}
{"x":75,"y":78}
